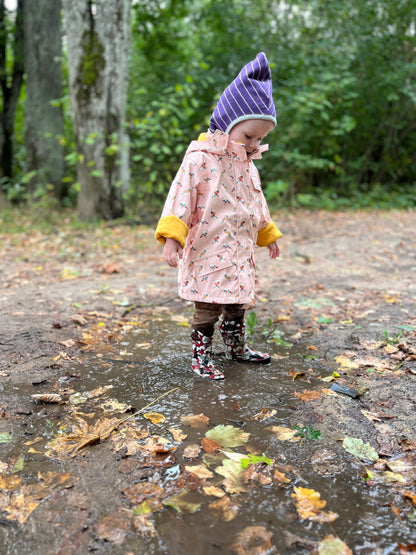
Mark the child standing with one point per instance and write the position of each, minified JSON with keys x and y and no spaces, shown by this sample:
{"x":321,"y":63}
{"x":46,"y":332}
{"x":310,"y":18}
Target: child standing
{"x":216,"y":213}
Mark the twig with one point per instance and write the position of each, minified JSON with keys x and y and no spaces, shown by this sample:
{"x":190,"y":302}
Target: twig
{"x":139,"y":411}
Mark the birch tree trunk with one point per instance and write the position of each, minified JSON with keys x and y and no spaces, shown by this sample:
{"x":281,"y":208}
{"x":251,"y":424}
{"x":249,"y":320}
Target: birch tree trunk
{"x":44,"y":122}
{"x":98,"y":41}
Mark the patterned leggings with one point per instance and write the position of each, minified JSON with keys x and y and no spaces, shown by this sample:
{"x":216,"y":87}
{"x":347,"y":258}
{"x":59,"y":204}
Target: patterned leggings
{"x":206,"y":315}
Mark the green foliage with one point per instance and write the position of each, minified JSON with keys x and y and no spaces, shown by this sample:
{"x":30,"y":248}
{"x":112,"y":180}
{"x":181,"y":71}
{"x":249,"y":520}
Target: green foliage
{"x":307,"y":432}
{"x":393,"y":340}
{"x":343,"y":86}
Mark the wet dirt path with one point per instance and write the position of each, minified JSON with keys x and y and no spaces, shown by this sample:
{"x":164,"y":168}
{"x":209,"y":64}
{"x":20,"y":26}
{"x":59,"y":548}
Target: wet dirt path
{"x":334,"y":294}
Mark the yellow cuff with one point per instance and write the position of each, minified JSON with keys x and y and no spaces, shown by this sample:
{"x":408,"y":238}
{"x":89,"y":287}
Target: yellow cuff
{"x":268,"y":234}
{"x":171,"y":227}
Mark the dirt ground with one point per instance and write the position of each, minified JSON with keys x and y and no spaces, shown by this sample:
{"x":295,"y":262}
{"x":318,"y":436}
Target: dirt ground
{"x":344,"y":288}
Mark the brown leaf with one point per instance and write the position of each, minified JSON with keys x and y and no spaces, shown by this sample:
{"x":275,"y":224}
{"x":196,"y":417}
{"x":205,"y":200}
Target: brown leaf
{"x":405,"y":549}
{"x":308,"y":395}
{"x":253,"y":540}
{"x":114,"y":527}
{"x":210,"y":445}
{"x":224,"y":509}
{"x":191,"y":451}
{"x":264,"y":414}
{"x":47,"y":398}
{"x":78,"y":319}
{"x":195,"y":420}
{"x":109,"y":268}
{"x":137,"y":493}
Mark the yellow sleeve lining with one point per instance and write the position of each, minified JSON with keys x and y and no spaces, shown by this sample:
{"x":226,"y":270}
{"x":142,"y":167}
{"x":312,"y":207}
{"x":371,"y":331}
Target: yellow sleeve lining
{"x":171,"y":227}
{"x":268,"y":234}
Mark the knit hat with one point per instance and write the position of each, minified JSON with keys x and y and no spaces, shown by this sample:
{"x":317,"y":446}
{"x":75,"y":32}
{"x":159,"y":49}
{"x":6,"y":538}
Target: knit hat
{"x":249,"y":96}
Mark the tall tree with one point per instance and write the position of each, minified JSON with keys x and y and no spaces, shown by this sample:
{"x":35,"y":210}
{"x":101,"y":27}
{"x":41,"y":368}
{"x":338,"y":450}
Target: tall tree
{"x":44,"y":118}
{"x":10,"y":85}
{"x":98,"y":39}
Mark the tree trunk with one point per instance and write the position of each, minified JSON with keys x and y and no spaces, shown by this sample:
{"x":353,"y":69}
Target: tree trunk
{"x":98,"y":38}
{"x":10,"y":87}
{"x":44,"y":121}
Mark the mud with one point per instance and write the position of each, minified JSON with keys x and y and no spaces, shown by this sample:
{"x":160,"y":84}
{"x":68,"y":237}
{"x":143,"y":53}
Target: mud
{"x":344,"y":281}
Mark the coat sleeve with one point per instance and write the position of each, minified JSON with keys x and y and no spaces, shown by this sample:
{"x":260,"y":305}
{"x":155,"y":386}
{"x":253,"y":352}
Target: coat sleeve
{"x":180,"y":203}
{"x":268,"y":232}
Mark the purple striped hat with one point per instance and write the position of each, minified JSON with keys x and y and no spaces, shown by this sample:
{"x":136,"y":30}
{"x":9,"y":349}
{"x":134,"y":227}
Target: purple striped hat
{"x":249,"y":96}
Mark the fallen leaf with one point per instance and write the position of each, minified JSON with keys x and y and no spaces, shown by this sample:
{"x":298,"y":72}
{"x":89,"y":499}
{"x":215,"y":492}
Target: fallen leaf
{"x":228,"y":436}
{"x":345,"y":362}
{"x":155,"y":417}
{"x":279,"y":478}
{"x":308,"y":503}
{"x":359,"y":449}
{"x":213,"y":491}
{"x":308,"y":395}
{"x":210,"y":446}
{"x":137,"y":493}
{"x":264,"y":414}
{"x":195,"y":420}
{"x":331,"y":545}
{"x":253,"y":540}
{"x":66,"y":446}
{"x":182,"y":503}
{"x":177,"y":435}
{"x":47,"y":398}
{"x":144,"y":527}
{"x":234,"y":476}
{"x":191,"y":451}
{"x":200,"y":470}
{"x":224,"y":509}
{"x":284,"y":434}
{"x":113,"y":527}
{"x":295,"y":375}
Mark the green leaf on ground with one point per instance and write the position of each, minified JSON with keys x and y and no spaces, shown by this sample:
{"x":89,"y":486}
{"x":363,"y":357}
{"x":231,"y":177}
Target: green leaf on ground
{"x":228,"y":436}
{"x":181,"y":503}
{"x":5,"y":438}
{"x":359,"y":449}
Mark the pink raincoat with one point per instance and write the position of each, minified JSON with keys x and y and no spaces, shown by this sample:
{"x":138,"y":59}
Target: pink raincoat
{"x":217,"y":211}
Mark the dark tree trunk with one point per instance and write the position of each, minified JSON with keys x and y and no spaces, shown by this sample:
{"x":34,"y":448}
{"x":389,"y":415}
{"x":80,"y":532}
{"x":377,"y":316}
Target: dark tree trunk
{"x":43,"y":117}
{"x":10,"y":87}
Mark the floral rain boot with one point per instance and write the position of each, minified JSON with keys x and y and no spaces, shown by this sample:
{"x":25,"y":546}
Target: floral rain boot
{"x":202,"y":361}
{"x":234,"y":336}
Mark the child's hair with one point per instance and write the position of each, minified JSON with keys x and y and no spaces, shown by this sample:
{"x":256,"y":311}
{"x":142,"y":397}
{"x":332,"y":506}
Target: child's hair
{"x":249,"y":96}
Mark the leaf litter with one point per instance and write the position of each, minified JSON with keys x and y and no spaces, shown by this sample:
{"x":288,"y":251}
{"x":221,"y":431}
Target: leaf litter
{"x":322,"y":310}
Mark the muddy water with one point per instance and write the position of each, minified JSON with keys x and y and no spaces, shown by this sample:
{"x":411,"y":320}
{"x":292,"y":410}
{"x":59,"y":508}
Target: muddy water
{"x":153,"y":360}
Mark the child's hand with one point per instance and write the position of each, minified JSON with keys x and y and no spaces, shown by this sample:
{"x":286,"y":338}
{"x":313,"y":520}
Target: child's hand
{"x":274,"y":250}
{"x":171,"y":251}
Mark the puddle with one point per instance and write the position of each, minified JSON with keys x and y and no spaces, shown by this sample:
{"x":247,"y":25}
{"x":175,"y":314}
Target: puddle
{"x":155,"y":360}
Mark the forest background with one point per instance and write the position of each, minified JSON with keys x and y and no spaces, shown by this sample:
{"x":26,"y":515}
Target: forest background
{"x":101,"y":98}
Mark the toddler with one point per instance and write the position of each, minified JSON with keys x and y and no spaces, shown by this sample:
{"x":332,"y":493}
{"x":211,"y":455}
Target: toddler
{"x":216,"y":213}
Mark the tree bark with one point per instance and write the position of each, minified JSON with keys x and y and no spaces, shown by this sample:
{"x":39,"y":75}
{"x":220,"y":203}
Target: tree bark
{"x":43,"y":119}
{"x":10,"y":87}
{"x":98,"y":38}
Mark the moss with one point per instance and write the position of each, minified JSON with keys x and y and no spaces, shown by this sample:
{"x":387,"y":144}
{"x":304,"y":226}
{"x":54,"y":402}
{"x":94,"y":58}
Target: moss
{"x":91,"y":65}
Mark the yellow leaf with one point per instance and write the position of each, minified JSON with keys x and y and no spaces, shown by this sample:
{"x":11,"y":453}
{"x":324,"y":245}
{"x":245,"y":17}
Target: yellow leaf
{"x":345,"y":362}
{"x":284,"y":434}
{"x":309,"y":504}
{"x":200,"y":470}
{"x":178,"y":435}
{"x":155,"y":417}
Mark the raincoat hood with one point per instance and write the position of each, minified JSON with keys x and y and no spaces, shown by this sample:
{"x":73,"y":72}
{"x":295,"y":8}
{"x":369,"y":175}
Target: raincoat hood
{"x":219,"y":143}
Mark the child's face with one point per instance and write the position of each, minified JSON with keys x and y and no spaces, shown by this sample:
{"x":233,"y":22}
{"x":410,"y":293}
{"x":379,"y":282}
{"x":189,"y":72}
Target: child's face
{"x":251,"y":132}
